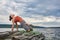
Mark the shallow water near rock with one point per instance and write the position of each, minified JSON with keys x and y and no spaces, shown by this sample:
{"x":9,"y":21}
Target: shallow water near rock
{"x":50,"y":33}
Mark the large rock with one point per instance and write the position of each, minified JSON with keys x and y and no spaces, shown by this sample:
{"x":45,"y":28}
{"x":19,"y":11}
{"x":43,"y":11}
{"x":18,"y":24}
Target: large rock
{"x":28,"y":36}
{"x":21,"y":35}
{"x":4,"y":34}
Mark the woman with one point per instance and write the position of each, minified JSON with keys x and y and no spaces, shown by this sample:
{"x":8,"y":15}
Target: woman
{"x":16,"y":19}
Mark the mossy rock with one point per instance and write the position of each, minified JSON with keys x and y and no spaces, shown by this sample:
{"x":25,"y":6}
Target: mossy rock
{"x":23,"y":35}
{"x":31,"y":33}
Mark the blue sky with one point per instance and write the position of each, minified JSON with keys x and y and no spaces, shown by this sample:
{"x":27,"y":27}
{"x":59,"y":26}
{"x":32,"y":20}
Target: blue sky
{"x":37,"y":12}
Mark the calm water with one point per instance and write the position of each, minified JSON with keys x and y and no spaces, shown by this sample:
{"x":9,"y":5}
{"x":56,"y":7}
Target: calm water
{"x":50,"y":33}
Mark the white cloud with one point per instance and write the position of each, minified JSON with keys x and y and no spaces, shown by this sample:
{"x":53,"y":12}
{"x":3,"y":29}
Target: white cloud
{"x":2,"y":2}
{"x":13,"y":3}
{"x":28,"y":0}
{"x":50,"y":7}
{"x":34,"y":21}
{"x":49,"y":19}
{"x":4,"y":19}
{"x":10,"y":11}
{"x":39,"y":19}
{"x":20,"y":9}
{"x":58,"y":19}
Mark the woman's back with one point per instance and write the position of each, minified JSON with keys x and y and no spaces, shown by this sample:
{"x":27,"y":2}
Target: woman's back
{"x":18,"y":19}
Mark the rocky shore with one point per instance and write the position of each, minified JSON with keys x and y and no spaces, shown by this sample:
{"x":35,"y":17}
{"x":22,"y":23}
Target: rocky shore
{"x":21,"y":35}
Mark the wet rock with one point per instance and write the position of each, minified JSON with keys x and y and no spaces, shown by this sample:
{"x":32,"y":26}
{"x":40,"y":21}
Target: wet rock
{"x":4,"y":34}
{"x":21,"y":35}
{"x":29,"y":36}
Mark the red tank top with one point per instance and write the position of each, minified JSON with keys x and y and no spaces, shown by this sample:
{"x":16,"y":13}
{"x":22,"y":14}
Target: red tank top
{"x":18,"y":19}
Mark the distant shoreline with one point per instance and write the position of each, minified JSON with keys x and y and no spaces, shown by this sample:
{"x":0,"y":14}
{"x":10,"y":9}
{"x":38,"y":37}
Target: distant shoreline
{"x":9,"y":26}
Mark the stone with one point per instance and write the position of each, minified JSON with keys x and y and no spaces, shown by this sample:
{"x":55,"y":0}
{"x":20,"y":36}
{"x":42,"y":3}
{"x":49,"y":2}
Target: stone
{"x":21,"y":35}
{"x":4,"y":34}
{"x":29,"y":36}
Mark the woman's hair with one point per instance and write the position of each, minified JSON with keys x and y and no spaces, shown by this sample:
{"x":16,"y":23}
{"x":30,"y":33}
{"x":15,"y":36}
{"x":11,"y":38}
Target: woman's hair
{"x":10,"y":18}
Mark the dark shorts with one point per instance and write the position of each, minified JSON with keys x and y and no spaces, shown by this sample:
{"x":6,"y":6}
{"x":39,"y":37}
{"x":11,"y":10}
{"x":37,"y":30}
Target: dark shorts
{"x":23,"y":24}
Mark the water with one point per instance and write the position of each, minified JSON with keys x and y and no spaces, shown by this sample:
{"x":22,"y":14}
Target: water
{"x":50,"y":33}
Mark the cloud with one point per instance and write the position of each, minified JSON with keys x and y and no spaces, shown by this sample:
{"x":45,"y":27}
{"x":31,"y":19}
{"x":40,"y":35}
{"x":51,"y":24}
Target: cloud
{"x":25,"y":1}
{"x":4,"y":19}
{"x":36,"y":12}
{"x":47,"y":21}
{"x":2,"y":2}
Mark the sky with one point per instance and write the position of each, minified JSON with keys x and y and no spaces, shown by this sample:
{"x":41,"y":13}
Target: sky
{"x":36,"y":12}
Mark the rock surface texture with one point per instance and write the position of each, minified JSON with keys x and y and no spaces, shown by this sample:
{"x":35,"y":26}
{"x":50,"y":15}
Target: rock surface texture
{"x":21,"y":35}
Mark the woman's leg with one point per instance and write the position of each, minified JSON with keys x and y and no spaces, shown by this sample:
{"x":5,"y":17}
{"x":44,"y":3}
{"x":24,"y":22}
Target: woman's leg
{"x":17,"y":28}
{"x":30,"y":28}
{"x":26,"y":27}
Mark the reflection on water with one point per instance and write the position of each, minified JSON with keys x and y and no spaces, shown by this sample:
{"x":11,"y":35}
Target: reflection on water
{"x":50,"y":33}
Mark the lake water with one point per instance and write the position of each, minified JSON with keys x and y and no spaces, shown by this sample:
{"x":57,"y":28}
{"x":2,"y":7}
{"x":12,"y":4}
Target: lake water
{"x":50,"y":33}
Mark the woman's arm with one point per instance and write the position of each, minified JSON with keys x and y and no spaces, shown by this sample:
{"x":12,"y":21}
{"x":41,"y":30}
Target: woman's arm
{"x":12,"y":25}
{"x":17,"y":26}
